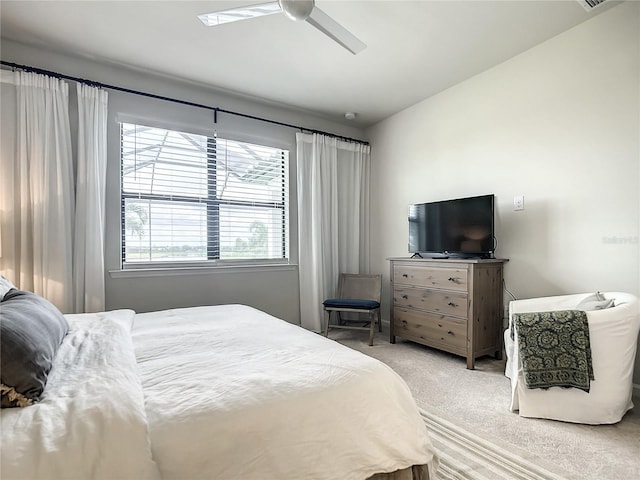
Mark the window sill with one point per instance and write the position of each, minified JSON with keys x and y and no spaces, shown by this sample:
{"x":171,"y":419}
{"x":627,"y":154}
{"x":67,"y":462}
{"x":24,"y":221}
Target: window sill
{"x":209,"y":270}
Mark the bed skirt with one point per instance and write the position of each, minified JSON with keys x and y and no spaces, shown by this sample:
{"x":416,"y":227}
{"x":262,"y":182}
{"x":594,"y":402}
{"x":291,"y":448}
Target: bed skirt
{"x":416,"y":472}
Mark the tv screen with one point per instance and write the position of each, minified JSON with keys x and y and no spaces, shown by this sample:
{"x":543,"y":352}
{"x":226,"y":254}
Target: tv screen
{"x":461,"y":227}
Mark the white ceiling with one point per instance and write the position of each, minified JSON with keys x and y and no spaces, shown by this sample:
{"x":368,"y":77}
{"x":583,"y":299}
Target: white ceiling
{"x":415,"y":49}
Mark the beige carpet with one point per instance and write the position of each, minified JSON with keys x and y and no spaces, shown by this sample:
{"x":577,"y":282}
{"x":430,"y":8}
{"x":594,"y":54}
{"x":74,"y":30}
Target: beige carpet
{"x":478,"y":401}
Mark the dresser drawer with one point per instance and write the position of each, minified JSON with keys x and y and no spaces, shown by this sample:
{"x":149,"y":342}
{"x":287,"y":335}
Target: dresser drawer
{"x":438,"y":301}
{"x":431,"y":277}
{"x":438,"y":330}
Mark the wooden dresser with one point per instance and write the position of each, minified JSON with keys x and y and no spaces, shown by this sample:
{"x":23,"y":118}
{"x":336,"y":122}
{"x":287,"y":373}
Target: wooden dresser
{"x":453,"y":305}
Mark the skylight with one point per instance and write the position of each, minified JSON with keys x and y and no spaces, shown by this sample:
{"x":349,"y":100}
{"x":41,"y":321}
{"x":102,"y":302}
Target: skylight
{"x":240,"y":13}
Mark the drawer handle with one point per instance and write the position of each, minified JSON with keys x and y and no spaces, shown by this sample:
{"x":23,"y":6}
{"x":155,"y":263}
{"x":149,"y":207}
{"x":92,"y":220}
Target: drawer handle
{"x":405,"y":297}
{"x":404,"y":275}
{"x":449,"y":332}
{"x":451,"y":304}
{"x":454,"y":280}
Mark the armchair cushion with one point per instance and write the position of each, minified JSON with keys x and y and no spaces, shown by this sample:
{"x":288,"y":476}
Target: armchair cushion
{"x":596,"y":301}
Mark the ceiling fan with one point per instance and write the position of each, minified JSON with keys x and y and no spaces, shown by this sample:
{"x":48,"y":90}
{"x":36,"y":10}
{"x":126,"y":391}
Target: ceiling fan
{"x":295,"y":10}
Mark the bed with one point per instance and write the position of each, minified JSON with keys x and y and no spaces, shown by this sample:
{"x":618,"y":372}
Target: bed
{"x":218,"y":392}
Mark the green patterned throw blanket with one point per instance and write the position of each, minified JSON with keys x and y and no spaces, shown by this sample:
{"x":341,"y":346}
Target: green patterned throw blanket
{"x":554,"y":348}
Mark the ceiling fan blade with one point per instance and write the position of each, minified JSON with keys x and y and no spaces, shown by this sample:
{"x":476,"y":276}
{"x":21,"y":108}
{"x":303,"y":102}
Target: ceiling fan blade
{"x":240,"y":13}
{"x":337,"y":32}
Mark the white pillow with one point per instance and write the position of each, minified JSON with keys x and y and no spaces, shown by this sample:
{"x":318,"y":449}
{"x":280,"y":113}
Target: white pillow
{"x":596,"y":301}
{"x":5,"y":286}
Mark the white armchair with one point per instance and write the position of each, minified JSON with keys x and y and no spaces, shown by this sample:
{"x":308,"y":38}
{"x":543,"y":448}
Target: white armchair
{"x":613,"y":334}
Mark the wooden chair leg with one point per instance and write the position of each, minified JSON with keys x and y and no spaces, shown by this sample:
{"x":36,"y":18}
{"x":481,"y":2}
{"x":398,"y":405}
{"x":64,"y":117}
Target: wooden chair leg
{"x":372,"y":327}
{"x":326,"y":325}
{"x":379,"y":321}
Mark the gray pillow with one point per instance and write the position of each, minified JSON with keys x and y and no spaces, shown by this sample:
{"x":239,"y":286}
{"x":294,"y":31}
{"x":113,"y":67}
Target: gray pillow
{"x":31,"y":331}
{"x":596,"y":301}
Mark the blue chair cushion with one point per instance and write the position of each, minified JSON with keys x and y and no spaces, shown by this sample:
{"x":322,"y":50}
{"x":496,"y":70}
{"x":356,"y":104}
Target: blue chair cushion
{"x":351,"y":303}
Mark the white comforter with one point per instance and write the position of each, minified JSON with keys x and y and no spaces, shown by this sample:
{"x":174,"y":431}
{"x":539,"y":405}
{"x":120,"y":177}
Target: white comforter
{"x":234,"y":393}
{"x":90,"y":423}
{"x":222,"y":393}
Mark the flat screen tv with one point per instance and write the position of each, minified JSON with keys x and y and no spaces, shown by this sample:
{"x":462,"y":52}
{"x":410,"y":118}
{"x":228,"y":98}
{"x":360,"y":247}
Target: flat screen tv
{"x":462,"y":227}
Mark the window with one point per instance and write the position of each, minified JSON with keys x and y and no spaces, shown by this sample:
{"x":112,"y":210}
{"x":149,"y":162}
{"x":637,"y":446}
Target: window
{"x":192,"y":198}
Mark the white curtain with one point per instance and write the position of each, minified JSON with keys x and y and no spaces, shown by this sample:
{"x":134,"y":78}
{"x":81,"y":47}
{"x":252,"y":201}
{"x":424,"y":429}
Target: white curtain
{"x":43,"y":193}
{"x":46,"y":247}
{"x":333,"y":218}
{"x":90,"y":199}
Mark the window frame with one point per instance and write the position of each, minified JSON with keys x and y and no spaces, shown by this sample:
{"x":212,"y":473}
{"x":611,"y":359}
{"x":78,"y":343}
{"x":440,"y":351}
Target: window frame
{"x":213,"y":209}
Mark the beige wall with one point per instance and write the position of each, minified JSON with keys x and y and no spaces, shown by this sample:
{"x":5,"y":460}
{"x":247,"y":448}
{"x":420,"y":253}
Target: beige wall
{"x":559,"y":124}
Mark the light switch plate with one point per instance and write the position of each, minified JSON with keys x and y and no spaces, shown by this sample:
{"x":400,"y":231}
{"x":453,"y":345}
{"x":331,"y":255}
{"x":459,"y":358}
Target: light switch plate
{"x":518,"y":202}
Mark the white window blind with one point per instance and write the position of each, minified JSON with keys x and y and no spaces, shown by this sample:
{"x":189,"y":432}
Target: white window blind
{"x":192,"y":198}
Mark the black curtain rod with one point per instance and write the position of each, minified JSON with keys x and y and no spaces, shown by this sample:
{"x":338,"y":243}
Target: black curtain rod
{"x":215,"y":110}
